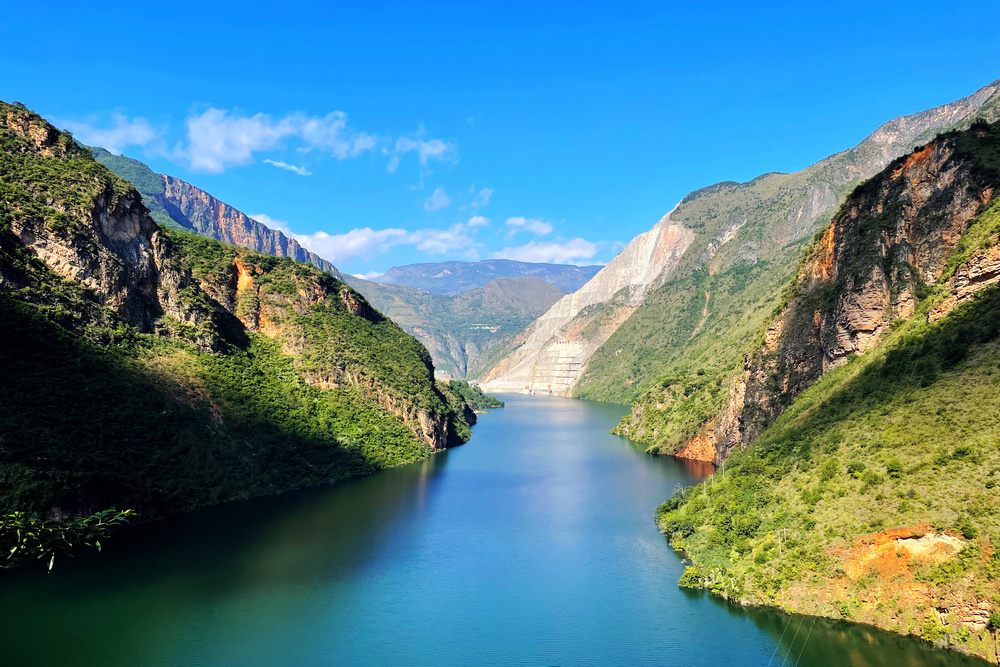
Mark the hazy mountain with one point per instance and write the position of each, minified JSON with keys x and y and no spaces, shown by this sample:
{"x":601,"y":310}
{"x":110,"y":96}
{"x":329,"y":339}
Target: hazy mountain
{"x":468,"y":331}
{"x":457,"y":277}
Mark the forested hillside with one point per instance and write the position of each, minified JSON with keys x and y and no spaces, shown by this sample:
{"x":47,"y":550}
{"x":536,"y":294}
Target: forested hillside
{"x":157,"y":371}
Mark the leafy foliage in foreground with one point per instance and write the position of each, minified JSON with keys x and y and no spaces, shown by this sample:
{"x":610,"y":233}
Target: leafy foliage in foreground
{"x":23,"y":536}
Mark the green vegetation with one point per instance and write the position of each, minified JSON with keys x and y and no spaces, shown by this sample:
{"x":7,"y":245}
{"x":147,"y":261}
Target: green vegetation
{"x":903,"y":435}
{"x":474,"y":397}
{"x":22,"y":536}
{"x":902,"y":438}
{"x":283,"y":379}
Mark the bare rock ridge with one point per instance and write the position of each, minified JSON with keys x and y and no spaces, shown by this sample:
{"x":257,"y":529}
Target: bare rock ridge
{"x":590,"y":336}
{"x":215,"y":219}
{"x":557,"y":345}
{"x":177,"y":204}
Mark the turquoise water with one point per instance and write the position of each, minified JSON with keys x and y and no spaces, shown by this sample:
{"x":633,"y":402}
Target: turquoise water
{"x":533,"y":544}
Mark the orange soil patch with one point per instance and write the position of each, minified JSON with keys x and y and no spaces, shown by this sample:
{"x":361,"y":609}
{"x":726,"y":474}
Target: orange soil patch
{"x":699,"y":448}
{"x":914,"y":158}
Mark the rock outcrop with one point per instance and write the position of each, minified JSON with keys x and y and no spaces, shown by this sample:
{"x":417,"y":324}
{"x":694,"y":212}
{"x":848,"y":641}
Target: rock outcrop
{"x":556,"y":347}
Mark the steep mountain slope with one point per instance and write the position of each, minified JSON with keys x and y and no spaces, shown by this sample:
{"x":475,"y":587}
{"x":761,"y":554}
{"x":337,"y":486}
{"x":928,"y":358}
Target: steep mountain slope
{"x":162,"y":371}
{"x":178,"y":205}
{"x":466,"y":331}
{"x":552,"y":352}
{"x":869,"y":412}
{"x":689,"y":323}
{"x":453,"y":278}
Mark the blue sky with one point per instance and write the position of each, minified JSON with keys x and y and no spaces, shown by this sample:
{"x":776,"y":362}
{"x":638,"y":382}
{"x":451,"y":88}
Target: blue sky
{"x":389,"y":133}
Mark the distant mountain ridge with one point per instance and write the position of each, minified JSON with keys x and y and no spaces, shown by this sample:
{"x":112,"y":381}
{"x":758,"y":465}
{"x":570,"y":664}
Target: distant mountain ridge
{"x":176,"y":204}
{"x":466,"y":332}
{"x":453,"y":278}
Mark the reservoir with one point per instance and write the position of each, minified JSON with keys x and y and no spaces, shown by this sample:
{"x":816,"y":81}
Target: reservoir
{"x":533,"y":544}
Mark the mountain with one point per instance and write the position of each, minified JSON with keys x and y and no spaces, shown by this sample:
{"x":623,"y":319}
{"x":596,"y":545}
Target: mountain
{"x":466,"y":332}
{"x":553,"y":350}
{"x":860,"y":432}
{"x":453,"y":278}
{"x":678,"y":311}
{"x":160,"y":371}
{"x":461,"y":333}
{"x":178,"y":205}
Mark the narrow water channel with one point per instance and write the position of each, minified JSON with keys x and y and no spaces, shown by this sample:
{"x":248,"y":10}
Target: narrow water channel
{"x":533,"y":544}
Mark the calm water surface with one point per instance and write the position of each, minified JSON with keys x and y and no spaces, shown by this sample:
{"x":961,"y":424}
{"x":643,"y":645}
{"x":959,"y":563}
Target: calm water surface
{"x":533,"y":544}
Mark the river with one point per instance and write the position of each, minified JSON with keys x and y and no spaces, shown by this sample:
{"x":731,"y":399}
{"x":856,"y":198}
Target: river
{"x":532,"y":544}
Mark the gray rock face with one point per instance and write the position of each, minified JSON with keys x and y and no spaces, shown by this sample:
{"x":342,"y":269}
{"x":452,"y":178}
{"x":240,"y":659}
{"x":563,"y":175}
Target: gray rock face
{"x":557,"y":345}
{"x":897,"y":231}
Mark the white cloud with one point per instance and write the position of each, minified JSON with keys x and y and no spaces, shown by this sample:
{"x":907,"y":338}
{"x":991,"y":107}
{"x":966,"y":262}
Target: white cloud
{"x":482,"y":198}
{"x":301,"y":171}
{"x":371,"y":275}
{"x":218,"y":139}
{"x":567,"y":252}
{"x":123,"y":132}
{"x":437,"y":201}
{"x":519,"y":224}
{"x":427,"y":150}
{"x":478,"y":221}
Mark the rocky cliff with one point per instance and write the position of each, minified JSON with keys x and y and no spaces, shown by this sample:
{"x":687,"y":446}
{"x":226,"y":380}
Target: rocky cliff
{"x":554,"y":349}
{"x":210,"y":217}
{"x":890,"y":241}
{"x":164,"y":371}
{"x":179,"y":205}
{"x":743,"y":241}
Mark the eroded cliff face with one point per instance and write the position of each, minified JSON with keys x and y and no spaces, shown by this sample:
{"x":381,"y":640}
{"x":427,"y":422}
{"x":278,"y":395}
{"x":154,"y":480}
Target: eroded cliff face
{"x":557,"y":346}
{"x":215,"y":219}
{"x":892,"y":239}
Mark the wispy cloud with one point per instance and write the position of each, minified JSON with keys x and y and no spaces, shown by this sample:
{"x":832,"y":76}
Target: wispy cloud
{"x":482,"y":198}
{"x":427,"y":150}
{"x":301,"y":171}
{"x":437,"y":201}
{"x":573,"y":251}
{"x":478,"y":221}
{"x":520,"y":224}
{"x":123,"y":132}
